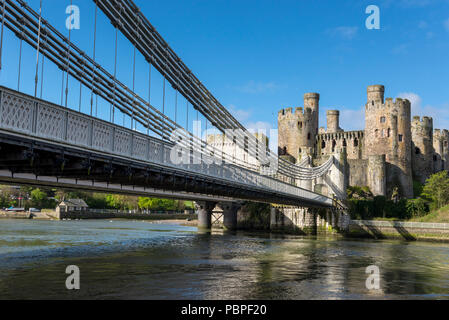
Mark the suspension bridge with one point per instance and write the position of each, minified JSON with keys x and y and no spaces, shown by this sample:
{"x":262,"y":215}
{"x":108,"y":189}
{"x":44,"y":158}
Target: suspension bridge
{"x":60,"y":144}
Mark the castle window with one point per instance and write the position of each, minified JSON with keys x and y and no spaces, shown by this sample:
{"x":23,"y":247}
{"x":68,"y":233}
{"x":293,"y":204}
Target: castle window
{"x":333,"y":145}
{"x":308,"y":136}
{"x":388,"y":132}
{"x":284,"y":151}
{"x":344,"y":143}
{"x":417,"y":150}
{"x":300,"y":151}
{"x":299,"y":124}
{"x":400,"y":138}
{"x":376,"y":133}
{"x":356,"y":142}
{"x":372,"y":102}
{"x":323,"y":144}
{"x":382,"y":119}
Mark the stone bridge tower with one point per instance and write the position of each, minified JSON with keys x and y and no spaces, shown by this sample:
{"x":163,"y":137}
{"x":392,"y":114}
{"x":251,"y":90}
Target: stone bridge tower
{"x":388,"y":132}
{"x":298,"y":128}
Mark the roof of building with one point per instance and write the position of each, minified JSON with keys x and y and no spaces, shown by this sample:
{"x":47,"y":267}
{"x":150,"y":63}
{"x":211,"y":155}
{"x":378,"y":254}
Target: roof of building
{"x":74,"y":203}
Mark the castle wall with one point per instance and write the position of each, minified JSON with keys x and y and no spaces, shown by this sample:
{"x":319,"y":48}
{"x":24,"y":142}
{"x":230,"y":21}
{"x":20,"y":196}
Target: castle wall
{"x":352,"y":140}
{"x":376,"y":174}
{"x":357,"y":172}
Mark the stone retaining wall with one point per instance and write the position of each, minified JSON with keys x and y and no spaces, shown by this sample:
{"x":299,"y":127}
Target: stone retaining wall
{"x":398,"y":229}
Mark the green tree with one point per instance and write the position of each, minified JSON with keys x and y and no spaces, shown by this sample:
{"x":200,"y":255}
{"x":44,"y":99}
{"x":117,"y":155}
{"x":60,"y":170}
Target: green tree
{"x":38,"y":198}
{"x":436,"y":189}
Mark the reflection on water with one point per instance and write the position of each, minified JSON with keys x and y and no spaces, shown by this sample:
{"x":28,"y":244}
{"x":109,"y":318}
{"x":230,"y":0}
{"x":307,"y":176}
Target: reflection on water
{"x":142,"y":260}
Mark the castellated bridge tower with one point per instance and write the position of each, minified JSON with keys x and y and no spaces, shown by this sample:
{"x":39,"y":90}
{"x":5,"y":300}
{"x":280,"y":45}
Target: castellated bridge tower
{"x":298,"y":128}
{"x":422,"y":148}
{"x":388,"y":132}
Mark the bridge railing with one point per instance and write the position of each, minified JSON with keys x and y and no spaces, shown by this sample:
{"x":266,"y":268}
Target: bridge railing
{"x":23,"y":114}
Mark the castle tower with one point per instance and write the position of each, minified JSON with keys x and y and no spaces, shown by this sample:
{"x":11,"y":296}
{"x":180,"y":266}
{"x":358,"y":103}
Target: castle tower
{"x":388,"y":132}
{"x":333,"y":121}
{"x":422,"y":148}
{"x":290,"y":127}
{"x":298,"y":128}
{"x":312,"y":102}
{"x":441,"y":147}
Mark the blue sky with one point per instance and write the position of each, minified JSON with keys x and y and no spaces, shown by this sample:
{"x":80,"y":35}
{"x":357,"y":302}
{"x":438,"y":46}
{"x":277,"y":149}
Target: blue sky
{"x":258,"y":56}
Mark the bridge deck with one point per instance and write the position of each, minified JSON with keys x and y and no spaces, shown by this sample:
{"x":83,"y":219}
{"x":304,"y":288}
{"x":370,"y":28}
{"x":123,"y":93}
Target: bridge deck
{"x":32,"y":129}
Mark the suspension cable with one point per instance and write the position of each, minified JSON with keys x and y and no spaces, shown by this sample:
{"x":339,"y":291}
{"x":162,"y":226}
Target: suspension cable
{"x":95,"y":64}
{"x":37,"y":50}
{"x":42,"y":75}
{"x":112,"y":111}
{"x":1,"y":36}
{"x":20,"y":65}
{"x":68,"y":65}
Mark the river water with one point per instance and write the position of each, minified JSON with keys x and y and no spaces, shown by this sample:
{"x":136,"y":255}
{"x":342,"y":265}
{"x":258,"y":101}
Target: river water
{"x":124,"y":259}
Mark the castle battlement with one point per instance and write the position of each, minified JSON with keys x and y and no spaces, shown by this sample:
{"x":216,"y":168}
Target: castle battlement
{"x":424,"y":122}
{"x":348,"y":135}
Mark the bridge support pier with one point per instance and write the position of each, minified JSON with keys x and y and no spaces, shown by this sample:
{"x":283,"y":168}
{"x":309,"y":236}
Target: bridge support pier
{"x":204,"y":210}
{"x":230,"y":210}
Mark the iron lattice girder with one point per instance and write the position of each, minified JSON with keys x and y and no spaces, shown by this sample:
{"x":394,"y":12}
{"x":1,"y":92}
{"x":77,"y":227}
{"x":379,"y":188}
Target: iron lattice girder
{"x":202,"y":185}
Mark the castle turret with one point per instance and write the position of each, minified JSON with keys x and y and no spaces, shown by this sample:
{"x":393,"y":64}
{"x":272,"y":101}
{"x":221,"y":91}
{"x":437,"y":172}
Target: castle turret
{"x":388,"y":132}
{"x":312,"y":102}
{"x":333,"y":121}
{"x":376,"y":94}
{"x":422,"y":148}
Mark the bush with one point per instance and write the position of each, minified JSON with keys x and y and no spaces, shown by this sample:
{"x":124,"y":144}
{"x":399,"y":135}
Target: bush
{"x":417,"y":208}
{"x":436,"y":189}
{"x":417,"y":188}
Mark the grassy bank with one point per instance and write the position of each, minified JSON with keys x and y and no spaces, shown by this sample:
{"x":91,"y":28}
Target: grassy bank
{"x":436,"y":216}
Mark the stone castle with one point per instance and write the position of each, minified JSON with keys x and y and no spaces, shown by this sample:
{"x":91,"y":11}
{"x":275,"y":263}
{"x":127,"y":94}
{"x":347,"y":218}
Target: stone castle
{"x":392,"y":151}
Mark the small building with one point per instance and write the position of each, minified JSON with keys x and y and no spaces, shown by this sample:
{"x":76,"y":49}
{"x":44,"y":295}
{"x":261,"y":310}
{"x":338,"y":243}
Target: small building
{"x":72,"y":205}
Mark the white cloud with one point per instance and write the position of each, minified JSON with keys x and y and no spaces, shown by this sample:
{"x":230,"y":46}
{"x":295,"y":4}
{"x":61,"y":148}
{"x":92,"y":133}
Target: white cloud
{"x":415,"y":101}
{"x":254,"y":87}
{"x":240,"y":114}
{"x":259,"y":125}
{"x":344,"y":32}
{"x":440,"y":114}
